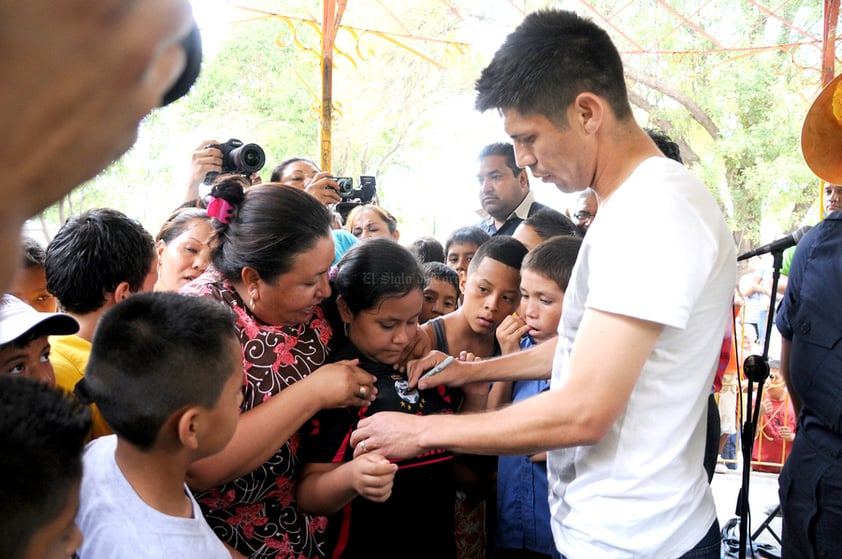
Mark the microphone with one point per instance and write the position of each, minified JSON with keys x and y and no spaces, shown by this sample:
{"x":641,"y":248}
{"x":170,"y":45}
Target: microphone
{"x":778,"y":245}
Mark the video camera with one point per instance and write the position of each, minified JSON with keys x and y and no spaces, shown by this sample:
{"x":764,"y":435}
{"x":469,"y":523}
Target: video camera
{"x":351,"y":196}
{"x":237,"y":157}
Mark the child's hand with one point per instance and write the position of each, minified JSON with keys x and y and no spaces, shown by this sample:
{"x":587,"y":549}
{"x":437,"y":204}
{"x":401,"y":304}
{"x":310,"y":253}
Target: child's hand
{"x":509,"y":333}
{"x":786,"y":433}
{"x":373,"y":476}
{"x":468,"y":356}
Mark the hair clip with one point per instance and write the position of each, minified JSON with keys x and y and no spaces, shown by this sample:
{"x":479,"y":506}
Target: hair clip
{"x":221,"y":209}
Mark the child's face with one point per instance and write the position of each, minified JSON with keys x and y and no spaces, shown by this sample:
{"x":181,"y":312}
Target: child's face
{"x":223,"y":417}
{"x":492,"y":292}
{"x":60,"y":537}
{"x":32,"y":360}
{"x":440,"y":298}
{"x":459,"y":255}
{"x":540,"y":305}
{"x":383,"y":332}
{"x":30,"y":286}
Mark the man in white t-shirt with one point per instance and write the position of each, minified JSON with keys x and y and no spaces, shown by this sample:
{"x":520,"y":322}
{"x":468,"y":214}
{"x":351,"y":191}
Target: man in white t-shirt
{"x":643,"y":319}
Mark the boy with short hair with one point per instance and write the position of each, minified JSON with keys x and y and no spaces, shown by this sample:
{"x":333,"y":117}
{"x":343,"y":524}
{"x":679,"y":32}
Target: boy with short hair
{"x":30,"y":282}
{"x":166,"y":372}
{"x":42,"y":434}
{"x":24,"y":342}
{"x":461,"y":247}
{"x":491,"y":292}
{"x":441,"y":291}
{"x":523,"y":514}
{"x":96,"y":260}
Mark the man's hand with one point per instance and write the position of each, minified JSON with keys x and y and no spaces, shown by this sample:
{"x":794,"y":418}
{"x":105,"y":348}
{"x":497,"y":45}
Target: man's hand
{"x":391,"y":434}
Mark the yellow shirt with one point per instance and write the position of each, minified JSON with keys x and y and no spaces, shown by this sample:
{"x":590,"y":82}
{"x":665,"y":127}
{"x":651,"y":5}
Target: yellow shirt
{"x":69,"y":356}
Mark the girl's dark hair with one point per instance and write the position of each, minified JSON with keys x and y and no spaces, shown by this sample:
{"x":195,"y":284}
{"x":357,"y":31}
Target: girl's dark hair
{"x":374,"y":270}
{"x":271,"y":224}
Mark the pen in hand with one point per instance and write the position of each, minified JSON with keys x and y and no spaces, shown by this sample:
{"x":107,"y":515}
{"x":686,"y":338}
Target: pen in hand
{"x":438,"y":368}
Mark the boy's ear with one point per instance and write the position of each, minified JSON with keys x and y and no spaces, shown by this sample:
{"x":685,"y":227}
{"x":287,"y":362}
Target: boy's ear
{"x":122,"y":291}
{"x":463,"y":280}
{"x":188,"y":427}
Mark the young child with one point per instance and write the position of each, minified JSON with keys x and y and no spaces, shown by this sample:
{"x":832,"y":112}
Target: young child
{"x":542,"y":225}
{"x":491,"y":293}
{"x":24,"y":342}
{"x":776,"y":426}
{"x":42,"y":433}
{"x":30,"y":282}
{"x":96,"y":260}
{"x":461,"y":246}
{"x":166,"y":372}
{"x":441,"y":291}
{"x":523,"y":515}
{"x":375,"y":508}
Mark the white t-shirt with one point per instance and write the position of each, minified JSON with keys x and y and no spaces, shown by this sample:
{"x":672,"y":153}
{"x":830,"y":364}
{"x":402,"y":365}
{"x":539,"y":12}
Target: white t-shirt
{"x":659,"y":250}
{"x":117,"y":524}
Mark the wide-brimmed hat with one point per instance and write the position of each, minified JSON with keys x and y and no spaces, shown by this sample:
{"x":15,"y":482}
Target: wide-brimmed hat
{"x":17,"y":318}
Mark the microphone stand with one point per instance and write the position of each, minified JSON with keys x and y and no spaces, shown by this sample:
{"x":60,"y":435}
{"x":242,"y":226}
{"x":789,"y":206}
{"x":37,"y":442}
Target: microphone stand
{"x":756,"y":369}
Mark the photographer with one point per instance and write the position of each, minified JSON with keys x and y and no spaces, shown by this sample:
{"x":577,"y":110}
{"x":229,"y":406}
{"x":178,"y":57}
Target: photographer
{"x":207,"y":159}
{"x":303,"y":174}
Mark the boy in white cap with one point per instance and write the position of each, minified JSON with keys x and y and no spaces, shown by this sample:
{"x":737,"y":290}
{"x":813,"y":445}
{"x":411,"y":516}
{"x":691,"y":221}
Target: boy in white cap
{"x":24,"y":343}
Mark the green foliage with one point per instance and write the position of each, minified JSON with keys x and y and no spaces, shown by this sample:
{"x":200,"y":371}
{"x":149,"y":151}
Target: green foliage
{"x":398,"y":116}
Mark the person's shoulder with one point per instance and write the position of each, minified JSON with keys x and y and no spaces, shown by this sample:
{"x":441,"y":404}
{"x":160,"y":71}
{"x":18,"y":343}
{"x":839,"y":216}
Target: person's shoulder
{"x":69,"y":356}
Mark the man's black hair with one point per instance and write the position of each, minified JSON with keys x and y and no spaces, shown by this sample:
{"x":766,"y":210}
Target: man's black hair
{"x":505,"y":150}
{"x":468,"y":234}
{"x":550,"y":58}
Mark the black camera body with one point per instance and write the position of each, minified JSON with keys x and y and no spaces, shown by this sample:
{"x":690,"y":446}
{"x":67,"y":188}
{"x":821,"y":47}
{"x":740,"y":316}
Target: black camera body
{"x":240,"y":158}
{"x":365,"y":192}
{"x":351,"y":196}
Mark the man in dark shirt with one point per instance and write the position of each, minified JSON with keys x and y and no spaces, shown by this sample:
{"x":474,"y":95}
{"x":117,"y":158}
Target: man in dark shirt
{"x":503,"y":190}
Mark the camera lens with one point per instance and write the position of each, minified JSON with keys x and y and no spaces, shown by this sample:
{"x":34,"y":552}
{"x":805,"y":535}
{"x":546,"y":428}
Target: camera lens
{"x":248,"y":158}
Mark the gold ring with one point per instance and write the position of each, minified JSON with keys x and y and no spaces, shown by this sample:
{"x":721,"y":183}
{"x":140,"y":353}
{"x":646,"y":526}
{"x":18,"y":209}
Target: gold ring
{"x":363,"y":391}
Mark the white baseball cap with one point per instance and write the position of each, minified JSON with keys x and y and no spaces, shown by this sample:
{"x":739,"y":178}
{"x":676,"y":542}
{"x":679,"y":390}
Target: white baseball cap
{"x":17,"y":318}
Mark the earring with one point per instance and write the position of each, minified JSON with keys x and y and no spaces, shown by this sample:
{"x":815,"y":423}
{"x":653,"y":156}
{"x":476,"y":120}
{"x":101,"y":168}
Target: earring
{"x":345,"y":328}
{"x":251,"y":303}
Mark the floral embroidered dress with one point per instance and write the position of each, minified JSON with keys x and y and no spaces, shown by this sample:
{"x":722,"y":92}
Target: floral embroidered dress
{"x":257,"y":513}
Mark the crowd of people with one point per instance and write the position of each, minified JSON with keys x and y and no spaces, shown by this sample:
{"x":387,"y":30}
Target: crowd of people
{"x":268,"y":377}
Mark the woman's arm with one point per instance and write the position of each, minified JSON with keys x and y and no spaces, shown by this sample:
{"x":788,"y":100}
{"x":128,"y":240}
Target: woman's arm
{"x":265,"y":428}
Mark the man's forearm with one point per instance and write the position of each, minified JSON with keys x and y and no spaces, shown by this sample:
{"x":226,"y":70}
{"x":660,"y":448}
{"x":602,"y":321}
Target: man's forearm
{"x":535,"y":363}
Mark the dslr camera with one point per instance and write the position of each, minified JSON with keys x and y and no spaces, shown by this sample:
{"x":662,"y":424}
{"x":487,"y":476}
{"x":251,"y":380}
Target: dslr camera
{"x":364,"y":193}
{"x":351,"y":196}
{"x":237,"y":157}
